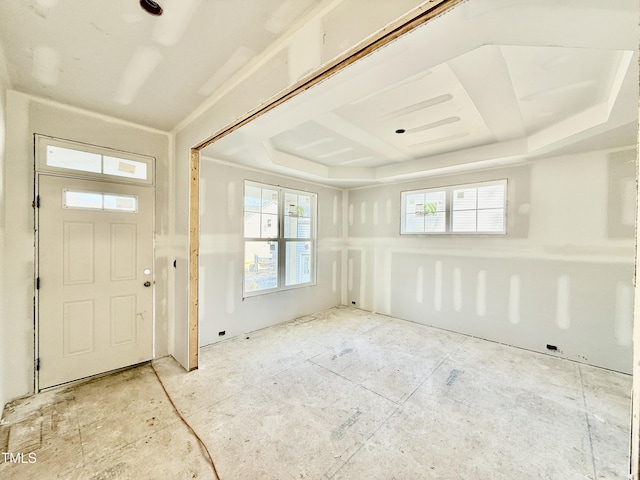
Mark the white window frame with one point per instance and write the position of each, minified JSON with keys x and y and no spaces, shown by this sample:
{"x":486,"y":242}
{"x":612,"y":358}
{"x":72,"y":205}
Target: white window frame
{"x":103,"y":208}
{"x":449,"y":212}
{"x":281,"y":241}
{"x":43,"y":141}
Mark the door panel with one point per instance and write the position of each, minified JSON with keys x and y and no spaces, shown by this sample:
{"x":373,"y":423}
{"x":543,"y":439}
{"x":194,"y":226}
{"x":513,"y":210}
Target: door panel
{"x":123,"y":251}
{"x":94,"y":311}
{"x":78,"y":326}
{"x":123,"y":320}
{"x":79,"y":252}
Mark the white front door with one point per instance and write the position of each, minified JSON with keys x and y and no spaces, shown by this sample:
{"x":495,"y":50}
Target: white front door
{"x":95,"y":261}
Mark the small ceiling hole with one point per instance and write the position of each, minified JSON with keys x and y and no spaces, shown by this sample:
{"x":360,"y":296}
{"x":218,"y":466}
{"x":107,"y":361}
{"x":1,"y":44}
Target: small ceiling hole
{"x":400,"y":130}
{"x":151,"y":7}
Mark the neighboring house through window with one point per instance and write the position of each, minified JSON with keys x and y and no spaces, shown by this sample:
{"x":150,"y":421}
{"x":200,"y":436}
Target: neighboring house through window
{"x":279,"y":238}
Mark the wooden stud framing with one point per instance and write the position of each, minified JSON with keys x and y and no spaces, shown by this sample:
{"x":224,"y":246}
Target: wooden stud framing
{"x":411,"y":20}
{"x":194,"y":248}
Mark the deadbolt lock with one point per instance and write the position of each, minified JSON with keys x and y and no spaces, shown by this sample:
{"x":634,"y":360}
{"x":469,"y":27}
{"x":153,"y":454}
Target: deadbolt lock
{"x":147,"y":283}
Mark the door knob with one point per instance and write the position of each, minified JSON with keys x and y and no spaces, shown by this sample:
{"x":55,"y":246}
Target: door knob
{"x":147,"y":283}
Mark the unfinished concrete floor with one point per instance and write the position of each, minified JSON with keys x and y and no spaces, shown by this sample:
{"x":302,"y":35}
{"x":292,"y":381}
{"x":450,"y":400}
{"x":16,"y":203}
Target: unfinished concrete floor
{"x":343,"y":394}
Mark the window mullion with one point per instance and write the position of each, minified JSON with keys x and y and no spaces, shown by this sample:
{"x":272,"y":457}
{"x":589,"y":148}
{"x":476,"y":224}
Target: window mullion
{"x":448,"y":215}
{"x":477,"y":204}
{"x":281,"y":242}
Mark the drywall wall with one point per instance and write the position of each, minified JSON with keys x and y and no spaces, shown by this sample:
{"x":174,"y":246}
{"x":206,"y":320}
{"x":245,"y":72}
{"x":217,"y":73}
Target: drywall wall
{"x":635,"y":393}
{"x":27,"y":116}
{"x":326,"y":33}
{"x":17,"y":268}
{"x":562,"y":275}
{"x":5,"y":372}
{"x":221,"y":306}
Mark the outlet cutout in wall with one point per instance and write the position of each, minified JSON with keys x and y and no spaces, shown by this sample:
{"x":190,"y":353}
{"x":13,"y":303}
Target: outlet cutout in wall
{"x":353,"y":303}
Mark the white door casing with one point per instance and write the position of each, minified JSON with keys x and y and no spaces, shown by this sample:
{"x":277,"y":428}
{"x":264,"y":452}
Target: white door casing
{"x":95,"y":275}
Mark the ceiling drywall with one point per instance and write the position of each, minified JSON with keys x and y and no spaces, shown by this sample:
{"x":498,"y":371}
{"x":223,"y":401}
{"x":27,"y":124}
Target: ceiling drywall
{"x":489,"y":83}
{"x":110,"y":57}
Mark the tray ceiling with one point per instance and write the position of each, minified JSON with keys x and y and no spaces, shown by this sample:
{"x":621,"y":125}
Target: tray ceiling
{"x":477,"y":87}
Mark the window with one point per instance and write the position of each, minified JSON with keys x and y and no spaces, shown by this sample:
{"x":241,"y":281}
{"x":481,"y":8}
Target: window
{"x":73,"y":159}
{"x":279,"y":238}
{"x":91,"y":161}
{"x":478,"y":208}
{"x":473,"y":208}
{"x":111,"y":202}
{"x":67,"y":158}
{"x":425,"y":211}
{"x":124,"y":168}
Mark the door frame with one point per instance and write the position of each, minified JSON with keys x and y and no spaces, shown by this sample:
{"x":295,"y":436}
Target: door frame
{"x":411,"y":20}
{"x":40,"y":141}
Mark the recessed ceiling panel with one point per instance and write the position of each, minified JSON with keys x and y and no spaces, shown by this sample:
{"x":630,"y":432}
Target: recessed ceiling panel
{"x":554,"y":83}
{"x":428,"y":115}
{"x":315,"y":142}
